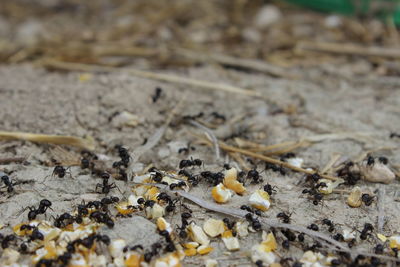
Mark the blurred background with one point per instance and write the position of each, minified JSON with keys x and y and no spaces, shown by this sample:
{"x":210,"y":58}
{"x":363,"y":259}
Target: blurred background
{"x":164,"y":33}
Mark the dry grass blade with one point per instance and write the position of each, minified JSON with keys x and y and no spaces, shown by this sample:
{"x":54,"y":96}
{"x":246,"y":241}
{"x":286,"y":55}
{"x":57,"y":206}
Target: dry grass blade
{"x":53,"y":64}
{"x":66,"y":158}
{"x":348,"y":49}
{"x":12,"y":160}
{"x":265,"y":158}
{"x":250,"y":64}
{"x":84,"y":143}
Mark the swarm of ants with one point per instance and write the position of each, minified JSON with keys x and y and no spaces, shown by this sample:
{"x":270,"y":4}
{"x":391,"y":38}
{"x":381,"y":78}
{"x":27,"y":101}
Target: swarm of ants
{"x":193,"y":173}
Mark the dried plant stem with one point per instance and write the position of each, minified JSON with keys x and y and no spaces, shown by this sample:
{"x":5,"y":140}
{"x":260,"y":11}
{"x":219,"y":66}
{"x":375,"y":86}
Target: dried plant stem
{"x":86,"y":143}
{"x":266,"y":159}
{"x":348,"y":49}
{"x":60,"y":65}
{"x":12,"y":160}
{"x":251,"y":64}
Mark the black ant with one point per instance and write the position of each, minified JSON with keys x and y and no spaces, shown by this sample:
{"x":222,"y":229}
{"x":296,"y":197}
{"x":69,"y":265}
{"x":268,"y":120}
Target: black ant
{"x":124,"y":155}
{"x":36,"y":235}
{"x":289,"y":235}
{"x":63,"y":220}
{"x":6,"y":240}
{"x":328,"y":223}
{"x":254,"y":175}
{"x":338,"y":237}
{"x":190,"y":163}
{"x":285,"y":218}
{"x":313,"y":227}
{"x":182,"y":229}
{"x":370,"y":161}
{"x":286,"y":244}
{"x":101,"y":217}
{"x":59,"y":171}
{"x":229,"y":224}
{"x":105,"y":186}
{"x":157,"y":177}
{"x":275,"y":168}
{"x":164,"y":197}
{"x":44,"y":204}
{"x":350,"y":177}
{"x":171,"y":205}
{"x":149,"y":203}
{"x":255,"y":223}
{"x":157,"y":94}
{"x":45,"y":263}
{"x":300,"y":237}
{"x":213,"y":178}
{"x":316,"y":196}
{"x":23,"y":247}
{"x":135,"y":247}
{"x":85,"y":163}
{"x":383,"y":160}
{"x":64,"y":258}
{"x":249,"y":209}
{"x":379,"y":249}
{"x":7,"y":182}
{"x":287,"y":156}
{"x":184,"y":150}
{"x":218,"y":116}
{"x":367,"y":199}
{"x":269,"y":189}
{"x":368,"y":228}
{"x":393,"y":135}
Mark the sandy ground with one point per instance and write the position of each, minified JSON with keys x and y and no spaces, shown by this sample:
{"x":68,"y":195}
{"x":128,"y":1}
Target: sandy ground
{"x":34,"y":100}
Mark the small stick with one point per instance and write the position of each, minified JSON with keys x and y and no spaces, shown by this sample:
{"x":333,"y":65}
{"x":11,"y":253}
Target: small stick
{"x":5,"y":161}
{"x":268,"y":159}
{"x":349,"y":49}
{"x":239,"y":159}
{"x":86,"y":143}
{"x":330,"y":163}
{"x":54,"y":64}
{"x":251,"y":64}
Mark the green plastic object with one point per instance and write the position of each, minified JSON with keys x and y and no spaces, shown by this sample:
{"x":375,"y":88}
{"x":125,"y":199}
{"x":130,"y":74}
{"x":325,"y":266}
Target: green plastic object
{"x":381,"y":8}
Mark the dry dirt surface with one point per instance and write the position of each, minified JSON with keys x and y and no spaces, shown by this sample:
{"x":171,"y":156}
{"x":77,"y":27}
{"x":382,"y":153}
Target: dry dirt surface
{"x":38,"y":101}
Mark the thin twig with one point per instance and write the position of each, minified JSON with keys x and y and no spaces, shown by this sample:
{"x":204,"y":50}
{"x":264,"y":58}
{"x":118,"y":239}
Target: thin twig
{"x":251,"y":64}
{"x":4,"y":161}
{"x":86,"y":143}
{"x":60,"y":65}
{"x":348,"y":49}
{"x":267,"y":159}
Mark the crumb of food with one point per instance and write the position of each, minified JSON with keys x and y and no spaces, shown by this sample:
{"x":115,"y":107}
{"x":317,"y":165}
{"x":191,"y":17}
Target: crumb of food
{"x":214,"y":227}
{"x":260,"y":200}
{"x":354,"y":199}
{"x":221,"y":194}
{"x":231,"y":182}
